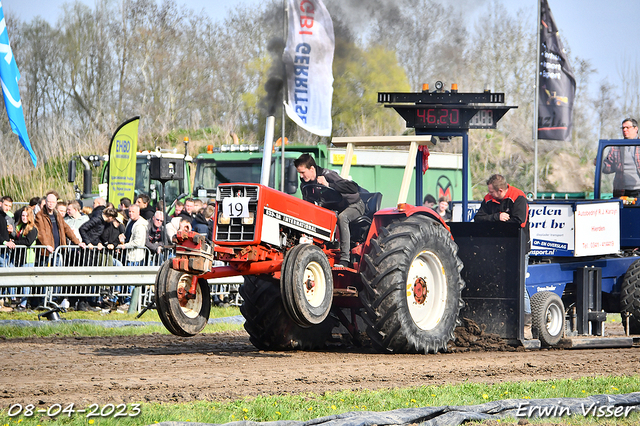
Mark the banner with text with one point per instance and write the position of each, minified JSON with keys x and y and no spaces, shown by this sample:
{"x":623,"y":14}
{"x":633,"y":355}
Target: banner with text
{"x":597,"y":229}
{"x":585,"y":228}
{"x":556,"y":82}
{"x":308,"y":59}
{"x":122,"y":161}
{"x":552,"y":229}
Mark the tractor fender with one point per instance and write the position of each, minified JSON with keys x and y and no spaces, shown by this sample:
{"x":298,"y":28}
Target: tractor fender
{"x":384,"y":217}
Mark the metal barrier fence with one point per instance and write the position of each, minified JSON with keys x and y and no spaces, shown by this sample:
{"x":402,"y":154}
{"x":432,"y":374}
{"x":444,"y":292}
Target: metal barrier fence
{"x":72,"y":272}
{"x":39,"y":256}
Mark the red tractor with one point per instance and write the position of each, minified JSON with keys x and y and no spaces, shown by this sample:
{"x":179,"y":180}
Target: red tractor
{"x":405,"y":283}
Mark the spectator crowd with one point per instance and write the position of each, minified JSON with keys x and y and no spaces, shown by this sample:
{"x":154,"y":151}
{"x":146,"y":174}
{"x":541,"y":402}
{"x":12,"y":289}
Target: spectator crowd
{"x":50,"y":231}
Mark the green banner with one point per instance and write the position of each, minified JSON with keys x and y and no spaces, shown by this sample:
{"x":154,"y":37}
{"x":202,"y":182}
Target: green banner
{"x":122,"y":161}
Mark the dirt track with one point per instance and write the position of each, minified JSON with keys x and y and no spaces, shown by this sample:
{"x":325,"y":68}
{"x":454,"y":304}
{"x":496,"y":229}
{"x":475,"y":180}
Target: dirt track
{"x":226,"y":366}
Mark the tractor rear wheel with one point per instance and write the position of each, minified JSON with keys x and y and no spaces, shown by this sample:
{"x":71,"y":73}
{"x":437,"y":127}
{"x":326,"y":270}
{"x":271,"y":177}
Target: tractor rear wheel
{"x":182,"y":316}
{"x":412,"y":287}
{"x":547,"y":317}
{"x":630,"y":297}
{"x":269,"y":326}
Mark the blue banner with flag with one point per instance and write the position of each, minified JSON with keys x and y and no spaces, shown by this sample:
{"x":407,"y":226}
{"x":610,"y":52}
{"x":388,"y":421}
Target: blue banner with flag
{"x":9,"y":76}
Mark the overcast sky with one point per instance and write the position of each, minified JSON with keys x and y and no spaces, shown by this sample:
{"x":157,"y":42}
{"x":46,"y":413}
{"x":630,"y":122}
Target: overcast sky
{"x":606,"y":32}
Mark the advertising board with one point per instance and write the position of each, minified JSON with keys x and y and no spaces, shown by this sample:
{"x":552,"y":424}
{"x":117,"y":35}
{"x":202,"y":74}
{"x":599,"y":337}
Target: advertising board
{"x":574,"y":228}
{"x":597,"y":228}
{"x":552,"y":229}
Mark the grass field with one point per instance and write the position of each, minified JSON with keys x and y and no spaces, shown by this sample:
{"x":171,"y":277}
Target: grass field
{"x":311,"y":406}
{"x":304,"y":407}
{"x":60,"y":328}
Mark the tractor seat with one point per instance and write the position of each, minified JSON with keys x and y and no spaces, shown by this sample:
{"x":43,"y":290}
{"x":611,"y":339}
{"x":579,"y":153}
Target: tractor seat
{"x":360,"y":226}
{"x":372,"y":203}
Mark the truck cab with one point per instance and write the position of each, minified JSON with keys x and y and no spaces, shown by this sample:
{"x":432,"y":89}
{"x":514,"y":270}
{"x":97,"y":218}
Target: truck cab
{"x":243,"y":163}
{"x":143,"y":182}
{"x":237,"y":167}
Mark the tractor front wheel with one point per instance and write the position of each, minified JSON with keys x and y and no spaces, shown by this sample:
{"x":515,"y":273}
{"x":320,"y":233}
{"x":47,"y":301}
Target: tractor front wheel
{"x":306,"y":285}
{"x":162,"y":304}
{"x":181,"y":314}
{"x":412,"y":287}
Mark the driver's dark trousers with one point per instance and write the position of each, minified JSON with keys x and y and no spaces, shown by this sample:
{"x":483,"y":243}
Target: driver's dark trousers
{"x":352,"y":212}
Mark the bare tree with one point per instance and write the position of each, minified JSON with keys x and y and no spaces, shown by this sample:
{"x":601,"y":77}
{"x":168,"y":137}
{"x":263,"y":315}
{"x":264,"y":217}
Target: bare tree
{"x":607,"y":111}
{"x":629,"y":77}
{"x":87,"y":54}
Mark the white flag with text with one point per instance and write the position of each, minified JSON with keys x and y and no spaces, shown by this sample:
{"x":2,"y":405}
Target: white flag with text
{"x":308,"y":58}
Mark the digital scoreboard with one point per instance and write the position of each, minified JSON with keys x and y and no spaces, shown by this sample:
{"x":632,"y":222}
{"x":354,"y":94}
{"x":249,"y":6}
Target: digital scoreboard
{"x":447,"y":110}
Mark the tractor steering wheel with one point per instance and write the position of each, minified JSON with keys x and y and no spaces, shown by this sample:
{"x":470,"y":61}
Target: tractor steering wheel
{"x":321,"y":195}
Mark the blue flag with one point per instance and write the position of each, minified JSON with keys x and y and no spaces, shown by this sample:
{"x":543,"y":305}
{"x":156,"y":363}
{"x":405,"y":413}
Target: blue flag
{"x":9,"y":76}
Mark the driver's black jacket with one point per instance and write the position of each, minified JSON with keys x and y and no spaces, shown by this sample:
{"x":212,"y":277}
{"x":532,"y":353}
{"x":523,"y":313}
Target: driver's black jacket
{"x":347,"y":188}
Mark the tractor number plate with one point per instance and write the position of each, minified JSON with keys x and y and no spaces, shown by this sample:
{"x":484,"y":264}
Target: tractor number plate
{"x":235,"y":207}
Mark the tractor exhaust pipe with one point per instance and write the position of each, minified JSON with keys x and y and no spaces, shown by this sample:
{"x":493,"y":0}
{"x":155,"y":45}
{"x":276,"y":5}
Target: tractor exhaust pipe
{"x":268,"y":147}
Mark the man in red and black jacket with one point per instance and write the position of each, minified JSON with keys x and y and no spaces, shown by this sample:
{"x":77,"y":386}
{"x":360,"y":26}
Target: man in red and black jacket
{"x":504,"y":203}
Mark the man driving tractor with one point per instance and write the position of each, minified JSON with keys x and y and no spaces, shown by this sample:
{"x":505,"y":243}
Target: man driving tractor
{"x":350,"y":208}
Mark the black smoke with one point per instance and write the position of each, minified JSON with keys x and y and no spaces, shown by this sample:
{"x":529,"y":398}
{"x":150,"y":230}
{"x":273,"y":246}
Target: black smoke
{"x":275,"y":77}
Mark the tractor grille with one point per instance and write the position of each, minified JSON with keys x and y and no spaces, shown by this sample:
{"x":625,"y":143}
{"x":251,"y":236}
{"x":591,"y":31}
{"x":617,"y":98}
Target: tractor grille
{"x":236,"y":230}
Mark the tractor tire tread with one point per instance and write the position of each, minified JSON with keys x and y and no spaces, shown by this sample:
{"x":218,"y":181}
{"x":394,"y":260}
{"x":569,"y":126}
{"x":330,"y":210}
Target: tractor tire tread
{"x":630,"y":297}
{"x":389,"y":324}
{"x":269,"y":326}
{"x":539,"y":305}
